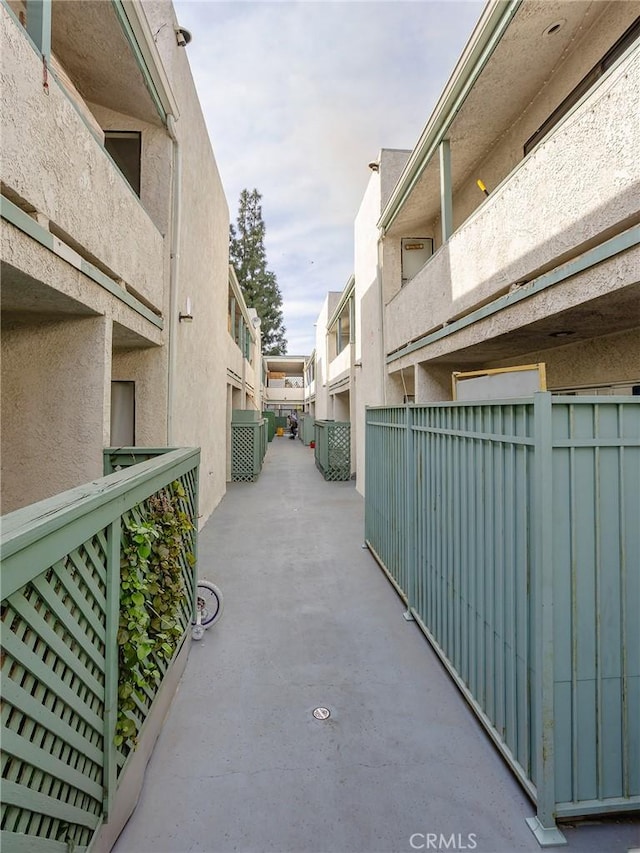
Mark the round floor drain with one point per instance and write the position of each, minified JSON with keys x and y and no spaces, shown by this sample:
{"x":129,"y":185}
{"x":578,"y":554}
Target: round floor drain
{"x":322,"y":713}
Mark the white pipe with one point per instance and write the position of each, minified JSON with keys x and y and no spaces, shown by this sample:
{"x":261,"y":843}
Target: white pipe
{"x":383,"y":353}
{"x":174,"y":273}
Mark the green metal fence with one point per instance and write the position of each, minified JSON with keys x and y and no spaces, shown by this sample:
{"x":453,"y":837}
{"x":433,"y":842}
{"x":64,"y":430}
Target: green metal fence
{"x":270,"y":417}
{"x":333,"y":449}
{"x":306,"y":428}
{"x":60,"y":615}
{"x":249,"y":439}
{"x":512,"y":532}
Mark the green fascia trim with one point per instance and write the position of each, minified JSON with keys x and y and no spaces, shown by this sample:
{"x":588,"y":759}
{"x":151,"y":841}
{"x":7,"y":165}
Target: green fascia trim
{"x":142,"y":65}
{"x":346,"y":294}
{"x":498,"y":19}
{"x":25,"y":223}
{"x":609,"y":249}
{"x":37,"y":536}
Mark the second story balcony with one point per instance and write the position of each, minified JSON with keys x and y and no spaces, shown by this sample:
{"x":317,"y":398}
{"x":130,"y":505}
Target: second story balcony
{"x":557,"y":163}
{"x":84,"y":148}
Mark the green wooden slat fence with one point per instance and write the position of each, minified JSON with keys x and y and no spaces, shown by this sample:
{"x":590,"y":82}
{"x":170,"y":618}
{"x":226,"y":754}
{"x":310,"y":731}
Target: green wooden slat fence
{"x":333,"y":449}
{"x":511,"y":530}
{"x":60,"y":611}
{"x":249,"y":441}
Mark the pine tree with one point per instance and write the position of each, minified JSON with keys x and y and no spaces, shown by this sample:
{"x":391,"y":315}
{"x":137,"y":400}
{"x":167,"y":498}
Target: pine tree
{"x":259,"y":285}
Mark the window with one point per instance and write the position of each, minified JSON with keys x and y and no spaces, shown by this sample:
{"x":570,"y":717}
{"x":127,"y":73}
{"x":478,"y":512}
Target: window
{"x":584,"y":85}
{"x":125,"y":148}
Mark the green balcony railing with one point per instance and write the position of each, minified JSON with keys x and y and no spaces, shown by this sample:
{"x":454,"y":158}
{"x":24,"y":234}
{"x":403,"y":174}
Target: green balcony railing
{"x":511,"y":531}
{"x":61,"y":769}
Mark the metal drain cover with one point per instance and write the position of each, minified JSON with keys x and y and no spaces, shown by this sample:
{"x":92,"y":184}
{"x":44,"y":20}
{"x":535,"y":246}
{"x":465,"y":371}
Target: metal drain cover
{"x":321,"y":713}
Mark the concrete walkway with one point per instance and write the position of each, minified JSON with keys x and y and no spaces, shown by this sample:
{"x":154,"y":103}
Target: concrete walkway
{"x":310,"y":620}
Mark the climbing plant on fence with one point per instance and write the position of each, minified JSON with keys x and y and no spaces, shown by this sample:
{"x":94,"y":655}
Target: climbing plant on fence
{"x":152,"y":590}
{"x":63,"y":644}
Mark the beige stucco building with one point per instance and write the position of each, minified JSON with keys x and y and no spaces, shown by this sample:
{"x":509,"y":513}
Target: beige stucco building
{"x":509,"y":235}
{"x":116,"y":293}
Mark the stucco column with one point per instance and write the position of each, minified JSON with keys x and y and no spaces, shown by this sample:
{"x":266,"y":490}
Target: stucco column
{"x":55,"y":409}
{"x":433,"y":383}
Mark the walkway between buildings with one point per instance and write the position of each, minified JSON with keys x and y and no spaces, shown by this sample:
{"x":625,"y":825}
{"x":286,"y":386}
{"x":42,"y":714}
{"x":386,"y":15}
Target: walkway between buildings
{"x":309,"y":621}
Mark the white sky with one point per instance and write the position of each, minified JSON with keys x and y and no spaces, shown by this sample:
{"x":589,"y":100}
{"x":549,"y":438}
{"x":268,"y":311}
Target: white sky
{"x":299,"y":97}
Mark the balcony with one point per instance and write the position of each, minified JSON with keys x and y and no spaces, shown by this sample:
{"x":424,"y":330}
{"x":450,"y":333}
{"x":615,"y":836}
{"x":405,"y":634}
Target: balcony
{"x":340,"y":365}
{"x":85,"y":201}
{"x":575,"y":189}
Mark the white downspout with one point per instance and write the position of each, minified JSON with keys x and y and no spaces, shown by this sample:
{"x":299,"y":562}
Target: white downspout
{"x":174,"y":271}
{"x":383,"y":348}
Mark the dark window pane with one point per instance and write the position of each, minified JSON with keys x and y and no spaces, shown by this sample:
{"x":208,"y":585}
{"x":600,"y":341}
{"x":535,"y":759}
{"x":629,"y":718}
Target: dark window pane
{"x":125,"y":149}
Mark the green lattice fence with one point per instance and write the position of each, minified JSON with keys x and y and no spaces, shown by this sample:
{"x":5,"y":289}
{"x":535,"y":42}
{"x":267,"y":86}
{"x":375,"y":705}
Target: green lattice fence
{"x":248,"y":446}
{"x":60,"y":613}
{"x":333,"y":449}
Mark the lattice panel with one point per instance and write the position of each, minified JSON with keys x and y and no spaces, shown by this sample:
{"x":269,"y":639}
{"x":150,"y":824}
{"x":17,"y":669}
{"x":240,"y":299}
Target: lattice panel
{"x":339,"y":450}
{"x":243,"y":453}
{"x":53,"y":633}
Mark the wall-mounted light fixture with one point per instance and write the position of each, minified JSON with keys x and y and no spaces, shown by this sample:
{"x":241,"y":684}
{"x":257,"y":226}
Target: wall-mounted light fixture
{"x":256,"y":322}
{"x":187,"y":317}
{"x":183,"y":37}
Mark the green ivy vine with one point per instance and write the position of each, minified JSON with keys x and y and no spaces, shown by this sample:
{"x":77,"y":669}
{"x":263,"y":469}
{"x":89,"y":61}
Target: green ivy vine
{"x":151,"y":591}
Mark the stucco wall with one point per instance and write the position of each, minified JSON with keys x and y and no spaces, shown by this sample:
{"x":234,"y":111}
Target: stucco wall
{"x":581,"y":181}
{"x":610,"y":359}
{"x":155,"y":165}
{"x":199,"y":414}
{"x":148,"y":369}
{"x":53,"y":406}
{"x":494,"y":165}
{"x":322,"y":367}
{"x":84,"y":194}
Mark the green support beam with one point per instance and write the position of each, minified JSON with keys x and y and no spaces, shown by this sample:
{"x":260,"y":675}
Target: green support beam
{"x":39,"y":25}
{"x":446,"y":194}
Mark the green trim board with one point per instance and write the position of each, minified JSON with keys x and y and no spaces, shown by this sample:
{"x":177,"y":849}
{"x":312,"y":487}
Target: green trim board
{"x":140,"y":60}
{"x":25,"y":223}
{"x":609,"y":249}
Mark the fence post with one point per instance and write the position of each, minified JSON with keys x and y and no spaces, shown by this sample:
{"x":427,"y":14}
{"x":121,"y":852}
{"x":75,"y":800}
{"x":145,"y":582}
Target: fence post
{"x":110,"y":768}
{"x":543,"y":825}
{"x":409,"y":514}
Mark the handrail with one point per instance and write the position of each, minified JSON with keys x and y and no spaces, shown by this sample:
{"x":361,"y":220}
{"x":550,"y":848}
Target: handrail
{"x":64,"y":519}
